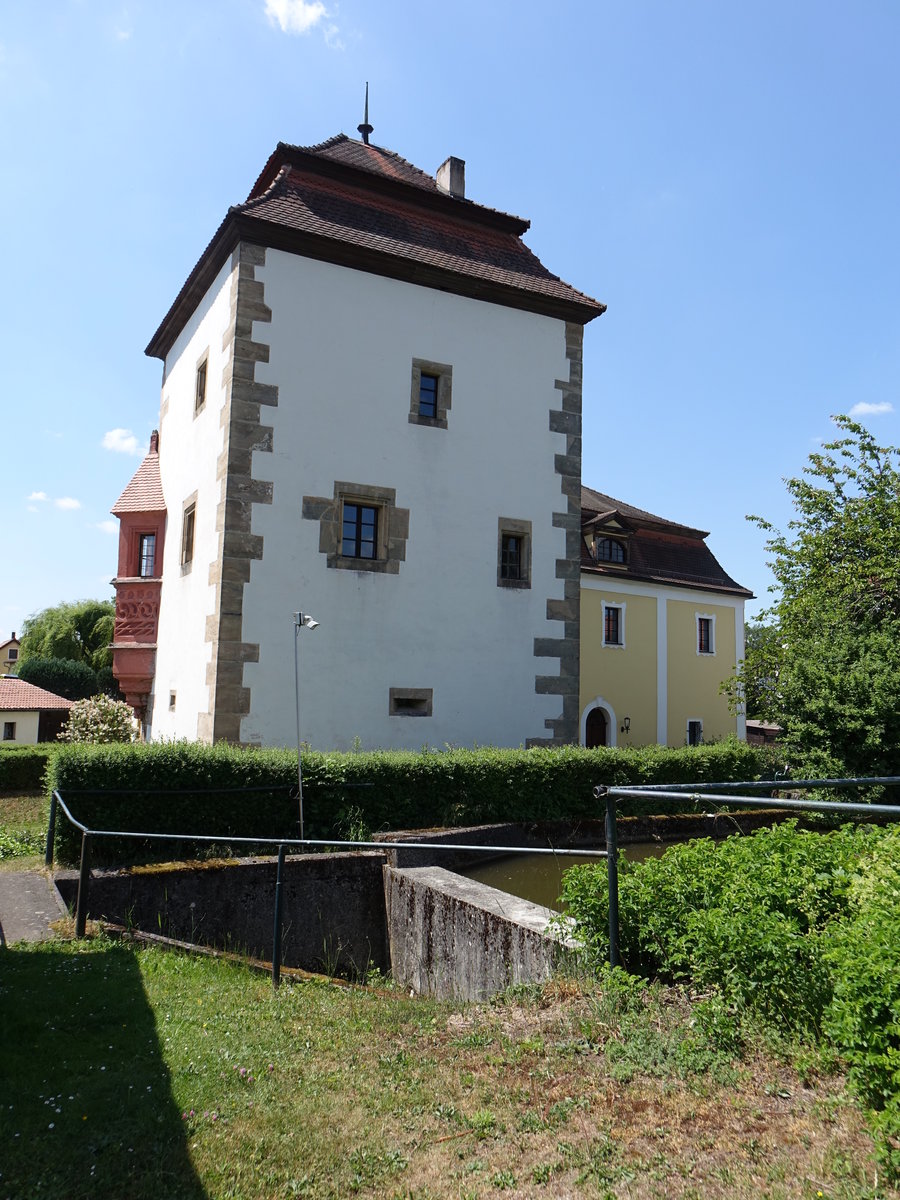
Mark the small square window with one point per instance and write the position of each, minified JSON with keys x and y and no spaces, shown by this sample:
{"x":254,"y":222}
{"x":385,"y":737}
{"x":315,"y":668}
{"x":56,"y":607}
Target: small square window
{"x":200,"y":385}
{"x":9,"y":731}
{"x":12,"y":653}
{"x":359,"y":532}
{"x":513,"y":553}
{"x":430,"y":396}
{"x":147,"y":555}
{"x":187,"y":535}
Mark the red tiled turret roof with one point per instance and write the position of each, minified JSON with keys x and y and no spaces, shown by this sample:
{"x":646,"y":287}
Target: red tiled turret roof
{"x":144,"y":493}
{"x":17,"y":695}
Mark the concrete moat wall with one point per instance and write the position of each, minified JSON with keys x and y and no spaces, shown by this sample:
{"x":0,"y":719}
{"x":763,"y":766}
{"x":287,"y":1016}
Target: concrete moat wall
{"x":332,"y":906}
{"x":453,"y":938}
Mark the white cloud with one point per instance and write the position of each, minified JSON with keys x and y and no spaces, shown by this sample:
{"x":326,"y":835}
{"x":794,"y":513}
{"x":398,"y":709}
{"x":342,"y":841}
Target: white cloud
{"x":296,"y":16}
{"x":122,"y":441}
{"x":38,"y":496}
{"x":67,"y":502}
{"x":864,"y":409}
{"x":108,"y":526}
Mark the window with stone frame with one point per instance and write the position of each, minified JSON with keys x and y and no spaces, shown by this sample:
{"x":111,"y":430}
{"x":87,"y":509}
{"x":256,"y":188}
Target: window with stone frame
{"x":188,"y":527}
{"x":430,"y":393}
{"x":200,"y":383}
{"x":513,"y":553}
{"x":9,"y":731}
{"x":361,"y":527}
{"x":410,"y":702}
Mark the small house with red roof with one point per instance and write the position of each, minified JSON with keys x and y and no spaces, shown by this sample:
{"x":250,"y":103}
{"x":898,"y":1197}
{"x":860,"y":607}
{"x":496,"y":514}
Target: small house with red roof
{"x":662,"y":625}
{"x":370,"y":413}
{"x":30,"y":714}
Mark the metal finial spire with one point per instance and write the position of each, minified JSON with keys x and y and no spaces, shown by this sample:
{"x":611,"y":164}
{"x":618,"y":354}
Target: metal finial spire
{"x":365,"y":129}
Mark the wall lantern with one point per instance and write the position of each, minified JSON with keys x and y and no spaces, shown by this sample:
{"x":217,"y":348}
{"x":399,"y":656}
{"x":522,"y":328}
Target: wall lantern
{"x":626,"y":725}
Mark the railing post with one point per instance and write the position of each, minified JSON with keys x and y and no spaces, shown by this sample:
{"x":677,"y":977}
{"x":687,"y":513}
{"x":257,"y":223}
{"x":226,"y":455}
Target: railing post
{"x":277,"y":931}
{"x":51,"y":832}
{"x":84,"y":879}
{"x":612,"y":868}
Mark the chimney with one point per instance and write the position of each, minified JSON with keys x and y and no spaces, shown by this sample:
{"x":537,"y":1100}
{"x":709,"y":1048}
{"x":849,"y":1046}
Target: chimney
{"x":451,"y":177}
{"x":154,"y":442}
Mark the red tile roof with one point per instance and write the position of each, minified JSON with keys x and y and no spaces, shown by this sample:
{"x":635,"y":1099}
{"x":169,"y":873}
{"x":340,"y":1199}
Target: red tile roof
{"x":17,"y":695}
{"x":352,"y":153}
{"x":144,"y":493}
{"x":366,"y":207}
{"x":658,"y":550}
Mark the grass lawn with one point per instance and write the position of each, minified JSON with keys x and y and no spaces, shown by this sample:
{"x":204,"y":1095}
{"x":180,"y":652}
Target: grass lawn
{"x":134,"y":1072}
{"x":23,"y":831}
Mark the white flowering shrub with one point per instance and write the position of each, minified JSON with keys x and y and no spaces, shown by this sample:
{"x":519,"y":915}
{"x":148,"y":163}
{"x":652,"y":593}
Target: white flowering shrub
{"x":100,"y":719}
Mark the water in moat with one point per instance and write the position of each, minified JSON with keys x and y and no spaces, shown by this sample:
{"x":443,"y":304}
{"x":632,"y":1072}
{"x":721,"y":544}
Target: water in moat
{"x":538,"y":877}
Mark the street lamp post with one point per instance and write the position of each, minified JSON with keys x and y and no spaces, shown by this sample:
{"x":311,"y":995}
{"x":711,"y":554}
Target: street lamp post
{"x":301,"y":620}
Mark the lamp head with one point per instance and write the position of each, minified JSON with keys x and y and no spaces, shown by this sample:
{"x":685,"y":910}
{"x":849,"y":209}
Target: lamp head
{"x":305,"y":619}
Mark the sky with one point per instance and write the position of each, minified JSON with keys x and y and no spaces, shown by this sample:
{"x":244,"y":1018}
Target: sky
{"x":724,"y":177}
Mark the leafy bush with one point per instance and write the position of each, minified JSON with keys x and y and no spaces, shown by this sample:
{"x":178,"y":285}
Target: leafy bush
{"x":99,"y":721}
{"x":189,"y":788}
{"x":23,"y":768}
{"x":745,"y":916}
{"x":62,"y":676}
{"x":863,"y":1019}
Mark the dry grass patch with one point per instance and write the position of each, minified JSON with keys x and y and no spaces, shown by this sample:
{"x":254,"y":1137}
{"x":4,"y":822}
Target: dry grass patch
{"x":143,"y":1073}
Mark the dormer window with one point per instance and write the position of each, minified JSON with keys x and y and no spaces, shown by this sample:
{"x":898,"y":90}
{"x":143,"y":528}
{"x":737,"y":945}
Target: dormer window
{"x":609,"y":550}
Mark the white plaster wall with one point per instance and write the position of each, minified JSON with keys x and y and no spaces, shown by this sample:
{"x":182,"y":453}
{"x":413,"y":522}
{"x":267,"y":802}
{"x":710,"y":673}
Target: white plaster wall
{"x":26,"y":726}
{"x":342,"y":344}
{"x":189,"y":447}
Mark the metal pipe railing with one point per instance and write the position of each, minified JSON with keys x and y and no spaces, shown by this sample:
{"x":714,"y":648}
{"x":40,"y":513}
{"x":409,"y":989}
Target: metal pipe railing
{"x":706,"y":793}
{"x":710,"y":792}
{"x":81,"y":903}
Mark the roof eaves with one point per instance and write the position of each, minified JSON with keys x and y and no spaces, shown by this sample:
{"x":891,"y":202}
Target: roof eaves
{"x":240,"y":224}
{"x":696,"y":584}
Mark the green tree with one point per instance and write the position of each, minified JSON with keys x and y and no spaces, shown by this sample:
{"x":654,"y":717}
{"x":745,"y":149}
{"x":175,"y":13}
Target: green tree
{"x":62,"y":676}
{"x":99,"y":720}
{"x":832,"y":662}
{"x":80,"y":630}
{"x":760,"y":677}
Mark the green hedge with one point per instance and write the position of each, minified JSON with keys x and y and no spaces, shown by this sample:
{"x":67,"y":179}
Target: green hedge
{"x":226,"y":791}
{"x":23,"y":768}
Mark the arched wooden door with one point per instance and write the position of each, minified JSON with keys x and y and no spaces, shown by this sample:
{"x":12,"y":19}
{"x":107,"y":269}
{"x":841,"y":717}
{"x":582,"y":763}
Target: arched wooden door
{"x":596,"y":729}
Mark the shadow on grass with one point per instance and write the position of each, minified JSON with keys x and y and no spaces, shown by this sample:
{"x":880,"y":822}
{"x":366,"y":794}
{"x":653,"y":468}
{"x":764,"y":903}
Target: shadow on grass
{"x":86,"y":1107}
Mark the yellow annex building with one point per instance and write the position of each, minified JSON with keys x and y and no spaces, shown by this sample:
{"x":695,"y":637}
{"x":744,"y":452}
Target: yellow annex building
{"x":662,"y":626}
